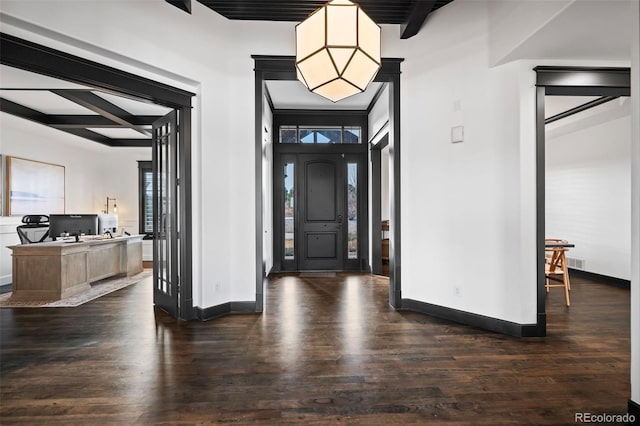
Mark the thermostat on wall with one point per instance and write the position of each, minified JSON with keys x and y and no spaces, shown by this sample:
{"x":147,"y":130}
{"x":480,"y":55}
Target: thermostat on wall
{"x":457,"y":134}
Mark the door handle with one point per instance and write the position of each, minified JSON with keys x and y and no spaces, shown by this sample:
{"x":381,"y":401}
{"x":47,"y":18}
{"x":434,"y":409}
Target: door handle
{"x":339,"y":218}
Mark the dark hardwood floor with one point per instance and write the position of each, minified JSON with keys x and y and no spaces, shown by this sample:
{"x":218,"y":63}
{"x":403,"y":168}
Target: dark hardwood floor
{"x":325,"y":351}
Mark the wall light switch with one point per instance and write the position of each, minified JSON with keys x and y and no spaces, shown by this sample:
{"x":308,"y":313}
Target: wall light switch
{"x":457,"y":134}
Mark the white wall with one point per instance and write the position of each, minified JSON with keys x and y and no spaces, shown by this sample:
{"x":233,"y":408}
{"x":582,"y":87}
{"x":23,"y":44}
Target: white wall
{"x":379,"y":116}
{"x":635,"y":203}
{"x":468,"y":212}
{"x":92,"y":172}
{"x":513,"y":22}
{"x":559,"y":29}
{"x":588,"y":187}
{"x":267,"y":184}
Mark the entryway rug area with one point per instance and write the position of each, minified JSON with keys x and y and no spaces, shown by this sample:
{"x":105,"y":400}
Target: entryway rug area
{"x":317,"y":274}
{"x":98,"y":289}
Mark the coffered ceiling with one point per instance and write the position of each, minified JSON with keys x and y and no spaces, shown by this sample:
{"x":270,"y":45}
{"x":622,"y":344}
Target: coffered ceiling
{"x":411,"y":14}
{"x":82,"y":111}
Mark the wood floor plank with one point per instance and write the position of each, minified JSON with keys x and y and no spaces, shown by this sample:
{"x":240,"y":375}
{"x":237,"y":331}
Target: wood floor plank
{"x":327,"y":350}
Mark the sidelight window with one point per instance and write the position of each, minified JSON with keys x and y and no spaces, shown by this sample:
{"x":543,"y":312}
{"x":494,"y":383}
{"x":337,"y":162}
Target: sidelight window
{"x":352,"y":210}
{"x":289,"y":212}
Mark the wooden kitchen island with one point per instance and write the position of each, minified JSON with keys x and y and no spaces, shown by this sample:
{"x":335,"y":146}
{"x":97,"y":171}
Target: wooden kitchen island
{"x":58,"y":269}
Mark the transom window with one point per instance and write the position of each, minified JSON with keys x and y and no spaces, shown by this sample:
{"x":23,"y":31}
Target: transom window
{"x":320,"y":134}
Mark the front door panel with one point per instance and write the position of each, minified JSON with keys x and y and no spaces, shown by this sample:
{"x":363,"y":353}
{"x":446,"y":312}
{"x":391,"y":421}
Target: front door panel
{"x":321,"y":216}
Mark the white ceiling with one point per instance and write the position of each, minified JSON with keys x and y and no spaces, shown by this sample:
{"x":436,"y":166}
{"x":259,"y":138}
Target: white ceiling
{"x":586,"y":29}
{"x":15,"y":78}
{"x":44,"y":101}
{"x":609,"y":111}
{"x":293,"y":95}
{"x":554,"y":105}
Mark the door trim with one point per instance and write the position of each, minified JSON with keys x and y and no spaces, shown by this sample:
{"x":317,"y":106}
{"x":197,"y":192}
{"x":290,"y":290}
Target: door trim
{"x":29,"y":56}
{"x":351,"y":153}
{"x":376,"y":202}
{"x":563,"y":81}
{"x":283,"y":68}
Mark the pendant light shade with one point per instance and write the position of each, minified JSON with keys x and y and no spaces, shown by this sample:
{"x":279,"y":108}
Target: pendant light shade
{"x":337,"y":50}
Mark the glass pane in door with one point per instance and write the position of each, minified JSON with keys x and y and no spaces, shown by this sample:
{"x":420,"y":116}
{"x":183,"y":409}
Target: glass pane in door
{"x":289,"y":212}
{"x":352,"y":210}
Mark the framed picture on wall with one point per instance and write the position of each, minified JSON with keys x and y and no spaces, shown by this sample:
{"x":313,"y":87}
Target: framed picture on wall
{"x":34,"y":187}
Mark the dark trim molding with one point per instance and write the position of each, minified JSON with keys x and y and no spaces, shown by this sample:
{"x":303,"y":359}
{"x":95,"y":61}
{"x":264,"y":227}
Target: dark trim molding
{"x":569,"y":81}
{"x":206,"y":314}
{"x":474,"y":320}
{"x":634,"y":410}
{"x":185,"y":206}
{"x":603,"y":279}
{"x":283,"y":68}
{"x":541,"y":293}
{"x":376,"y":212}
{"x":143,"y":167}
{"x":259,"y":87}
{"x":376,"y":200}
{"x":395,"y":259}
{"x":573,"y":79}
{"x":44,"y":60}
{"x":375,"y":98}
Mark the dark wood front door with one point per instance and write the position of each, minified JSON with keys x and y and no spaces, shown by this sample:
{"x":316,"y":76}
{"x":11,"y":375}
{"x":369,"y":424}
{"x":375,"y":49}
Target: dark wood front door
{"x":321,"y":212}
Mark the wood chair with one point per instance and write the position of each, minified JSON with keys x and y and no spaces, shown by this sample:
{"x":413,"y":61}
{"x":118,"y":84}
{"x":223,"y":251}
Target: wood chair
{"x":555,"y":268}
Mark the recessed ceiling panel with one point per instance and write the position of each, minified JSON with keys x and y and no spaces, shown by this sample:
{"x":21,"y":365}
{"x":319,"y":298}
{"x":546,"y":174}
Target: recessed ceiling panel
{"x":293,"y":95}
{"x":45,"y":102}
{"x":608,"y":111}
{"x":554,"y":105}
{"x":119,"y":133}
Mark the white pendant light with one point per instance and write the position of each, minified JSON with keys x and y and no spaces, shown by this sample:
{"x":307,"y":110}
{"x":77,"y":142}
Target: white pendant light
{"x":337,"y":50}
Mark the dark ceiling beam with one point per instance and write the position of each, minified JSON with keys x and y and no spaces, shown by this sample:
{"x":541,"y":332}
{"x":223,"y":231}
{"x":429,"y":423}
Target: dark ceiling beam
{"x":105,"y":140}
{"x":41,"y":118}
{"x":34,"y":57}
{"x":131,"y":143}
{"x":181,"y":4}
{"x":580,"y":108}
{"x":22,"y":111}
{"x":101,"y":106}
{"x":92,"y":136}
{"x":421,"y":10}
{"x":96,"y":121}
